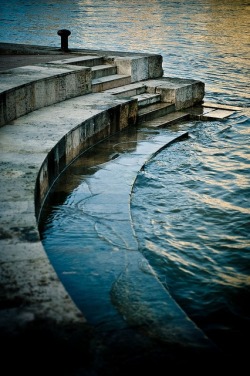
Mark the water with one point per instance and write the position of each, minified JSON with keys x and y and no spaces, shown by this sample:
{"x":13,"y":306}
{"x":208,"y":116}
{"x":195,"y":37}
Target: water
{"x":190,"y":205}
{"x":190,"y":209}
{"x":205,"y":39}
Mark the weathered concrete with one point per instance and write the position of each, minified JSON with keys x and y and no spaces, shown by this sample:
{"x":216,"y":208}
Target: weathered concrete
{"x":95,"y":117}
{"x":182,"y":92}
{"x":29,"y":88}
{"x":34,"y":150}
{"x":138,"y":66}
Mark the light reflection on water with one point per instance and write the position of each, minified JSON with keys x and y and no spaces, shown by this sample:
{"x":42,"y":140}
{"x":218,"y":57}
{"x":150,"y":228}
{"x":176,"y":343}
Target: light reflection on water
{"x":192,"y":202}
{"x":205,"y":39}
{"x":197,"y":199}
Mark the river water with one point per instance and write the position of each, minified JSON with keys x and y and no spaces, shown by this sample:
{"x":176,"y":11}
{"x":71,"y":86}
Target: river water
{"x":190,"y":204}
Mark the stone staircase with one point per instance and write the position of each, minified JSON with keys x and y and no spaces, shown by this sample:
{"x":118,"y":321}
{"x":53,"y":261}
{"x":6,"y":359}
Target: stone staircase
{"x":152,"y":111}
{"x":161,"y":101}
{"x":104,"y":75}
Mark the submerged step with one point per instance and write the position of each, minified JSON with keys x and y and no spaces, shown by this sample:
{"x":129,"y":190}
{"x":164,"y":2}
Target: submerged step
{"x":210,"y":113}
{"x":221,"y":106}
{"x":217,"y":114}
{"x":154,"y":110}
{"x":169,"y":119}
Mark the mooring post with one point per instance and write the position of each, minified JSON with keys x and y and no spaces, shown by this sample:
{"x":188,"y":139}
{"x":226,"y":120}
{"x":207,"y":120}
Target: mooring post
{"x":64,"y":34}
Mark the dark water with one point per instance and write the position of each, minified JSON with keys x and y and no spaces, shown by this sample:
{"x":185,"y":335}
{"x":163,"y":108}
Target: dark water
{"x":190,"y":209}
{"x":190,"y":206}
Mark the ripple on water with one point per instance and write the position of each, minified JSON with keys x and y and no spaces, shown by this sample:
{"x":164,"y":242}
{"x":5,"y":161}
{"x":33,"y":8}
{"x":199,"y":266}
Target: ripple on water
{"x":195,"y":229}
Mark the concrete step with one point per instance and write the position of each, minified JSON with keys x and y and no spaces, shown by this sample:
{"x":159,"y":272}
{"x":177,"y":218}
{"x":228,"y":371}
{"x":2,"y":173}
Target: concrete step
{"x":221,"y":106}
{"x":103,"y":70}
{"x":109,"y":82}
{"x":154,"y":111}
{"x":218,"y":114}
{"x":128,"y":90}
{"x":146,"y":99}
{"x":86,"y":61}
{"x":167,"y":120}
{"x":104,"y":75}
{"x":213,"y":112}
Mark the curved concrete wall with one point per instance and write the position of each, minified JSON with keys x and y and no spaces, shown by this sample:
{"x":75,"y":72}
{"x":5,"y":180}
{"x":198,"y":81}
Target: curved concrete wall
{"x":79,"y":139}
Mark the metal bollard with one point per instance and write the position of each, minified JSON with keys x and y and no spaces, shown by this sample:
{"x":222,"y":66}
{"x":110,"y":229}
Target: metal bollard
{"x":64,"y":34}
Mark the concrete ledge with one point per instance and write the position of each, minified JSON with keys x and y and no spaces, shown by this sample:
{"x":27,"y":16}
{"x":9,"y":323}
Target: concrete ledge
{"x":29,"y":88}
{"x":139,"y":68}
{"x":183,"y":93}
